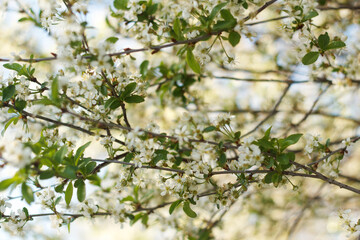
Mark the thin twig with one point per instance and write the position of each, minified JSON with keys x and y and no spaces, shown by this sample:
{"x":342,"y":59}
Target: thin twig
{"x":273,"y":112}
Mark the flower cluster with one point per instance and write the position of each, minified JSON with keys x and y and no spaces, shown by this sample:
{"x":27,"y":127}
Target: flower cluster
{"x":351,"y":225}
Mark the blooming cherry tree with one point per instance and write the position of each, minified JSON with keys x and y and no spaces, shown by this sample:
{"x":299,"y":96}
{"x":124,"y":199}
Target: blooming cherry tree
{"x":188,"y":115}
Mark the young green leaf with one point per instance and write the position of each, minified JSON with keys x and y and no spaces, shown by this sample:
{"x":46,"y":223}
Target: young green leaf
{"x":222,"y":159}
{"x":20,"y":104}
{"x":191,"y":61}
{"x":216,"y":10}
{"x":144,"y":68}
{"x":129,"y":157}
{"x":27,"y":193}
{"x":188,"y":210}
{"x":310,"y":15}
{"x":112,"y":39}
{"x":310,"y":58}
{"x":174,"y":205}
{"x":81,"y":191}
{"x":13,"y":66}
{"x":177,"y":29}
{"x":69,"y":193}
{"x":55,"y":90}
{"x":323,"y":40}
{"x":8,"y":123}
{"x":134,"y":99}
{"x":128,"y":90}
{"x":79,"y":152}
{"x":90,"y":167}
{"x":60,"y":154}
{"x":112,"y":103}
{"x":268,"y":177}
{"x":121,"y":4}
{"x":335,"y":45}
{"x":234,"y":38}
{"x":209,"y":129}
{"x":290,"y":140}
{"x":8,"y":93}
{"x":46,"y":174}
{"x":4,"y":184}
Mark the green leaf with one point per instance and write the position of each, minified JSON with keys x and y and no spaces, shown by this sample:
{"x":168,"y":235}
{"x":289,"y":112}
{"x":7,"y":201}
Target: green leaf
{"x":68,"y":172}
{"x":335,"y":45}
{"x":209,"y":129}
{"x":222,"y":160}
{"x":245,"y":5}
{"x":228,"y":23}
{"x":121,"y":4}
{"x":90,"y":167}
{"x":128,"y":89}
{"x":276,"y":178}
{"x":144,"y":68}
{"x":59,"y":188}
{"x":237,"y":135}
{"x":26,"y":211}
{"x":27,"y":193}
{"x":177,"y":29}
{"x":152,"y":9}
{"x":188,"y":210}
{"x":103,"y":90}
{"x":283,"y":159}
{"x":69,"y":193}
{"x":191,"y":61}
{"x":11,"y":120}
{"x":323,"y":40}
{"x":112,"y":39}
{"x":234,"y":38}
{"x":13,"y":66}
{"x":60,"y":154}
{"x":44,"y":101}
{"x":136,"y":218}
{"x":286,"y":158}
{"x":46,"y":174}
{"x":223,"y":25}
{"x":216,"y":10}
{"x":112,"y":103}
{"x":310,"y":15}
{"x":4,"y":184}
{"x":161,"y":154}
{"x":268,"y":177}
{"x":134,"y":99}
{"x":24,"y":19}
{"x":55,"y":90}
{"x":310,"y":58}
{"x":8,"y":93}
{"x":226,"y":15}
{"x":80,"y":152}
{"x":20,"y":104}
{"x":290,"y":140}
{"x":174,"y":205}
{"x":129,"y":157}
{"x":81,"y":191}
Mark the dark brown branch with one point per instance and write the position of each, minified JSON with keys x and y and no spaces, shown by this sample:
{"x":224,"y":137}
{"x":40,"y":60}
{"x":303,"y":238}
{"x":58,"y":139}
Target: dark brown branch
{"x":326,"y":179}
{"x":56,"y":122}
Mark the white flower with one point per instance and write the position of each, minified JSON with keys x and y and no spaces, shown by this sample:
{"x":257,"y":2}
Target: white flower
{"x":56,"y":220}
{"x":88,"y":207}
{"x":182,"y":134}
{"x":46,"y":197}
{"x":4,"y":204}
